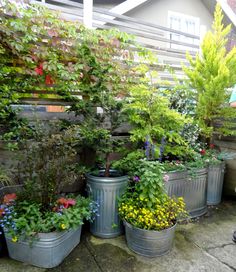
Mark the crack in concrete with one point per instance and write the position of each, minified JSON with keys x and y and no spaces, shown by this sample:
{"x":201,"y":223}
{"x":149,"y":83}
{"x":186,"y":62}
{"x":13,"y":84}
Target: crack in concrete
{"x":219,"y":246}
{"x":226,"y":264}
{"x":206,"y":250}
{"x":93,"y":255}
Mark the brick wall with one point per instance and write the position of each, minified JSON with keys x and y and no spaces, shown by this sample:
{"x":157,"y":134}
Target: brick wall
{"x":232,"y":4}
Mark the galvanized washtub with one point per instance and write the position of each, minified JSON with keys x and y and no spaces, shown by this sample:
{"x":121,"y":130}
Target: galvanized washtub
{"x":47,"y":252}
{"x":149,"y":243}
{"x":105,"y":191}
{"x":192,"y":187}
{"x":215,"y":183}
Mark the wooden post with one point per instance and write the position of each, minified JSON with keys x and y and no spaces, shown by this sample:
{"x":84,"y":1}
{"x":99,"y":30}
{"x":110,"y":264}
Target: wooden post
{"x":88,"y":13}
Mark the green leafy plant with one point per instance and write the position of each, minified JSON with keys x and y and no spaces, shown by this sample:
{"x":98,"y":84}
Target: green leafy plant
{"x":154,"y":122}
{"x":24,"y":219}
{"x":210,"y":75}
{"x":46,"y":166}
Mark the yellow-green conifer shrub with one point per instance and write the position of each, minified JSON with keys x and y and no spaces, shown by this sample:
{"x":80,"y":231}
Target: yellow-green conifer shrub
{"x":211,"y":74}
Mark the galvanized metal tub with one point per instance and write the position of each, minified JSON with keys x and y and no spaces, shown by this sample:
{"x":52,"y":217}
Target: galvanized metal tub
{"x":215,"y":183}
{"x":105,"y":191}
{"x":149,"y":243}
{"x":196,"y":192}
{"x":192,"y":187}
{"x":47,"y":252}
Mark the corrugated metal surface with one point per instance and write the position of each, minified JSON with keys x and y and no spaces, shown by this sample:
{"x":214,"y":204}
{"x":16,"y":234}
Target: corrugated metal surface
{"x":149,"y":243}
{"x":48,"y":252}
{"x":215,"y":183}
{"x":106,"y":191}
{"x":192,"y":187}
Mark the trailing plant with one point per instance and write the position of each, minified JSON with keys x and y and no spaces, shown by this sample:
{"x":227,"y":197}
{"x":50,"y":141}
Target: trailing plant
{"x":210,"y":75}
{"x":88,"y":68}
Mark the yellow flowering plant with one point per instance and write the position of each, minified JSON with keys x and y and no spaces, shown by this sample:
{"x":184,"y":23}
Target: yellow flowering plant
{"x":164,"y":213}
{"x":145,"y":203}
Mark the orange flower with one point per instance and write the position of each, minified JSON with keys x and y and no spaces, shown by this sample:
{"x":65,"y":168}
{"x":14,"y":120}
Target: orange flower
{"x":9,"y":198}
{"x":1,"y":211}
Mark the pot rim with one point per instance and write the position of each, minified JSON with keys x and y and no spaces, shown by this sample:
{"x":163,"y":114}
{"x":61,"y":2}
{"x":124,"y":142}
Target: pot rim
{"x":144,"y":230}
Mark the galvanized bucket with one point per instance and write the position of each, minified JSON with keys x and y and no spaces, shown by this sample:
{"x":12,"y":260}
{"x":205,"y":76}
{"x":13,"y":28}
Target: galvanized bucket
{"x":149,"y":243}
{"x":105,"y":191}
{"x":215,"y":183}
{"x":192,"y":187}
{"x":47,"y":252}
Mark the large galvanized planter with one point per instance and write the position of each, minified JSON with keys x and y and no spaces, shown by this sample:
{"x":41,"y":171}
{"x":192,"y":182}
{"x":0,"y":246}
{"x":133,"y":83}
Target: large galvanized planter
{"x":191,"y":185}
{"x":47,"y":252}
{"x":105,"y":191}
{"x":149,"y":243}
{"x":215,"y":183}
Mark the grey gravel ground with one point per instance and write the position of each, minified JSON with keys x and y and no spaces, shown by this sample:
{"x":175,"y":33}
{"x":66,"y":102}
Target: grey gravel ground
{"x":204,"y":245}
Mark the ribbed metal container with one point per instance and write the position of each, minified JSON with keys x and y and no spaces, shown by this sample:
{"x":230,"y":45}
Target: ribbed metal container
{"x":149,"y":243}
{"x":47,"y":252}
{"x":192,"y":187}
{"x":196,"y":192}
{"x":105,"y":191}
{"x":215,"y":183}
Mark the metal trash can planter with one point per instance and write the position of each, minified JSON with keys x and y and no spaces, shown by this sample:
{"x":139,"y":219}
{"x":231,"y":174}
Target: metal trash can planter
{"x":105,"y":191}
{"x":149,"y":243}
{"x":192,"y":187}
{"x":215,"y":182}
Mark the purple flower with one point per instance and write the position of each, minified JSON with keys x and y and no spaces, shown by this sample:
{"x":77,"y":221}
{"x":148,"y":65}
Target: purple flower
{"x":136,"y":179}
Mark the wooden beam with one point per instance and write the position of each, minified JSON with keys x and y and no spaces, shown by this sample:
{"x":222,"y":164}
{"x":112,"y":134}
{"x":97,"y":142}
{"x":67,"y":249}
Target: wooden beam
{"x":88,"y":13}
{"x":228,"y":11}
{"x":123,"y":8}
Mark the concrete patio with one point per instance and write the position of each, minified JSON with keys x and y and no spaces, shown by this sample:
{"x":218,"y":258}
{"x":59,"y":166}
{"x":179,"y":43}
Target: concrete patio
{"x":203,"y":245}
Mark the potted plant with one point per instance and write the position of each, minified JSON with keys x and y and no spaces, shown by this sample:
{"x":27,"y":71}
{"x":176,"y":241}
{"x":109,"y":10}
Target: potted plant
{"x":41,"y":226}
{"x":149,"y":215}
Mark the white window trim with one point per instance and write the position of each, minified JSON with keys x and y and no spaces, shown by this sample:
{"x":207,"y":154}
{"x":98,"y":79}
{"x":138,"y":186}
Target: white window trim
{"x":194,"y":19}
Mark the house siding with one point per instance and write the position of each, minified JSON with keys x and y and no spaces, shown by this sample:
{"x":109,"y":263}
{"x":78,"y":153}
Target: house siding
{"x":156,"y":11}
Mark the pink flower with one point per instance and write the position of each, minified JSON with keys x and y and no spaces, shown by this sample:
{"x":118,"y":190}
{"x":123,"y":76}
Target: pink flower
{"x":66,"y":203}
{"x":166,"y":178}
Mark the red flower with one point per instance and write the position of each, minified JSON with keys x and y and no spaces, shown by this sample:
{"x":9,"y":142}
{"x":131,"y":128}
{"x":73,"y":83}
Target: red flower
{"x":66,"y":202}
{"x":49,"y":80}
{"x":212,"y":146}
{"x":9,"y":198}
{"x":2,"y":211}
{"x":202,"y":151}
{"x":39,"y":69}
